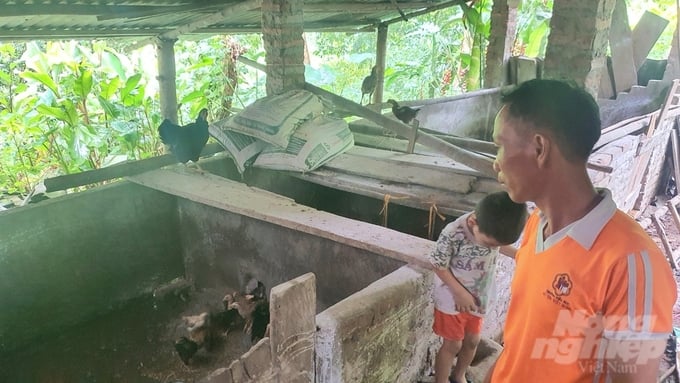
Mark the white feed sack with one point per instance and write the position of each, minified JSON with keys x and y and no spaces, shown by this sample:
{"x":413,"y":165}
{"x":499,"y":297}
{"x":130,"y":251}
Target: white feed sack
{"x":240,"y":147}
{"x":274,"y":119}
{"x":313,"y":144}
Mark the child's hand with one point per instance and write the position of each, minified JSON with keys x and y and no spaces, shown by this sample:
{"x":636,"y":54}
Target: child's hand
{"x":465,"y":302}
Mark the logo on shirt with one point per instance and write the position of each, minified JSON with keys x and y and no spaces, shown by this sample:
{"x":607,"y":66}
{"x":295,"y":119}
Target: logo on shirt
{"x":562,"y":285}
{"x":578,"y":338}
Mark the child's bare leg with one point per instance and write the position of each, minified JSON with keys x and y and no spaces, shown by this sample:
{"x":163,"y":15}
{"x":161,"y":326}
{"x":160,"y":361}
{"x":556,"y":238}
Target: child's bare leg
{"x":444,"y":360}
{"x":465,"y":356}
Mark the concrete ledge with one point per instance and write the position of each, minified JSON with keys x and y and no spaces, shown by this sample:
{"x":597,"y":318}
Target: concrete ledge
{"x":256,"y":203}
{"x":379,"y":334}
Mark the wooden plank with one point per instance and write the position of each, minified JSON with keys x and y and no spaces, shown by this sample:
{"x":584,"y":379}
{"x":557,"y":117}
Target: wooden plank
{"x":120,"y":170}
{"x":623,"y":129}
{"x":676,"y":157}
{"x":672,"y":206}
{"x":426,"y":161}
{"x":487,"y":186}
{"x":646,"y":32}
{"x":661,"y":232}
{"x":621,"y":45}
{"x":625,"y":122}
{"x":473,"y":160}
{"x":415,"y":196}
{"x":673,"y":63}
{"x":672,"y":101}
{"x":393,"y":144}
{"x":402,"y":172}
{"x":239,"y":198}
{"x":606,"y":89}
{"x":472,"y":144}
{"x":292,"y":328}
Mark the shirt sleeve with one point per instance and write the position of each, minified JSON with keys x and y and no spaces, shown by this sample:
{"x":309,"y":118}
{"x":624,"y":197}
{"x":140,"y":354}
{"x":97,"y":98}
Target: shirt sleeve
{"x":448,"y":244}
{"x":639,"y":296}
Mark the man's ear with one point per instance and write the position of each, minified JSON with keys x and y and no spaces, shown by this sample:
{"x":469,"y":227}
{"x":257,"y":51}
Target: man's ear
{"x":542,"y":145}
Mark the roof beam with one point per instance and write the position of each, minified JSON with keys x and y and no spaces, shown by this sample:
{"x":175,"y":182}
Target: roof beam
{"x":58,"y":34}
{"x":91,"y":33}
{"x":424,"y":11}
{"x":362,"y":7}
{"x":75,"y":10}
{"x":203,"y":22}
{"x":164,"y":10}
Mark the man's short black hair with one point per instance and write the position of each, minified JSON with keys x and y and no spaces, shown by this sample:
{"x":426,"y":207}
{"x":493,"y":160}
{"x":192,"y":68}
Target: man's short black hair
{"x":500,"y":217}
{"x":568,"y":112}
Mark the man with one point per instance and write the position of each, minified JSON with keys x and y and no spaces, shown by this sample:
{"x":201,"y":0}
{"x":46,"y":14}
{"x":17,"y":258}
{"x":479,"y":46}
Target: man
{"x":592,"y":295}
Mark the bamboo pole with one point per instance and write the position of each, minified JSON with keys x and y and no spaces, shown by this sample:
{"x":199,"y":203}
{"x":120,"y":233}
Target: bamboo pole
{"x":475,"y":161}
{"x":166,"y":79}
{"x":380,"y":59}
{"x":125,"y":169}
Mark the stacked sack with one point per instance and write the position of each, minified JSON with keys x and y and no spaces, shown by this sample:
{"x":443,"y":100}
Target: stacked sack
{"x":285,"y":132}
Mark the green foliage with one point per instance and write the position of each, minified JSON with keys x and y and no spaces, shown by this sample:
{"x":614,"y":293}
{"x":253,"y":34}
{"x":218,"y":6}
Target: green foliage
{"x":68,"y":107}
{"x":71,"y":106}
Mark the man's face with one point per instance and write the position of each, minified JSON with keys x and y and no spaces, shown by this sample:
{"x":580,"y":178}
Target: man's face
{"x":514,"y":162}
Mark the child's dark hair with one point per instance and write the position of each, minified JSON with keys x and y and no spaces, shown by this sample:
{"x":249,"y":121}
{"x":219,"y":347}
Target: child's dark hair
{"x":500,"y":217}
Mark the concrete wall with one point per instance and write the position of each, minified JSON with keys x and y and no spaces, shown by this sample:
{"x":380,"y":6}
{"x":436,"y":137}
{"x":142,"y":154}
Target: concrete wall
{"x":221,"y":246}
{"x":68,"y":259}
{"x":380,"y":334}
{"x":469,"y":116}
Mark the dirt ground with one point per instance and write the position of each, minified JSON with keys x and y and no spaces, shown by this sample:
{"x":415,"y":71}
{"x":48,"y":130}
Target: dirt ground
{"x":132,"y":344}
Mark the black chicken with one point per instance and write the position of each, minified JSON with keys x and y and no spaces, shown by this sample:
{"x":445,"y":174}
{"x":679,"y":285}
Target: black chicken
{"x":368,"y":85}
{"x":403,"y":113}
{"x":253,"y":307}
{"x":186,"y":348}
{"x":260,"y":320}
{"x":186,"y":142}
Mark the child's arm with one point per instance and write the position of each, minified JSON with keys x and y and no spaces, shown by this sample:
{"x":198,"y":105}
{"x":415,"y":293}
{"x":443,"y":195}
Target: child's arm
{"x":465,"y":302}
{"x":509,"y":251}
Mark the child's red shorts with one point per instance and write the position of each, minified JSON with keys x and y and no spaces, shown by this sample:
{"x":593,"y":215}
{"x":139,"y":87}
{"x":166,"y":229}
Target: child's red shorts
{"x":454,"y":326}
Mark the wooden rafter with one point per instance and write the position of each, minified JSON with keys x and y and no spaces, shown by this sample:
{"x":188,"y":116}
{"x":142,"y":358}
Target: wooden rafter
{"x":424,"y":11}
{"x":202,"y":22}
{"x":363,"y":7}
{"x":75,"y":9}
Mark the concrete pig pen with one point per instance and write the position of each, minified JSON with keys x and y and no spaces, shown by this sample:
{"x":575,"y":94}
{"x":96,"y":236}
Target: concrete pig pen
{"x":78,"y":271}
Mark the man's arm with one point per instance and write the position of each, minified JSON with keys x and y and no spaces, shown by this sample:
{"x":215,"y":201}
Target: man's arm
{"x":643,"y":366}
{"x":636,"y":334}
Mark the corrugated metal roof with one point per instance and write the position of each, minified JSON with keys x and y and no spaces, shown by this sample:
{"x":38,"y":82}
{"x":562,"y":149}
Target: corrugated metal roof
{"x":65,"y":19}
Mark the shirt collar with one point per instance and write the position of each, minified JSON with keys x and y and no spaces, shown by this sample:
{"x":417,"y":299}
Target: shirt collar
{"x":585,"y":230}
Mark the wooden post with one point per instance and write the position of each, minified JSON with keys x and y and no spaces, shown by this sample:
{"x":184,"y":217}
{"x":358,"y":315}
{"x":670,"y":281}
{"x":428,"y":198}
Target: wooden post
{"x":380,"y":59}
{"x":414,"y":137}
{"x":577,"y":45}
{"x":165,"y":49}
{"x":282,"y":28}
{"x":503,"y":29}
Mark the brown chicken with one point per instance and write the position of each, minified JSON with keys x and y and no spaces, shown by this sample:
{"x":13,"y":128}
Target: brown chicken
{"x":368,"y":85}
{"x":254,"y":309}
